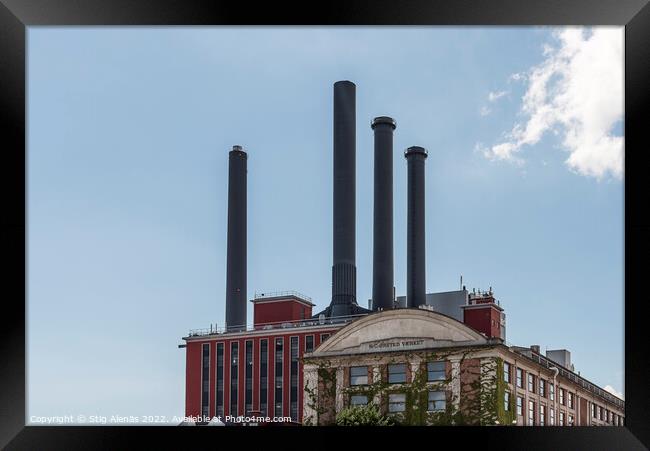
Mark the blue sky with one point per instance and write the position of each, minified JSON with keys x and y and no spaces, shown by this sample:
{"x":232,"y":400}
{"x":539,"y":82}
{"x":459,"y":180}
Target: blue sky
{"x":128,"y":137}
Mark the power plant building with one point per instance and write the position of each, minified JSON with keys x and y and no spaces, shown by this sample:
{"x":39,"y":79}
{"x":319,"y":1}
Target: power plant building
{"x":436,"y":358}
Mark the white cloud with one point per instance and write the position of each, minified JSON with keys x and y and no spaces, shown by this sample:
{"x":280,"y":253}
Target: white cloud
{"x":502,"y":151}
{"x":484,"y":111}
{"x":576,"y":92}
{"x":493,"y":96}
{"x":611,"y":389}
{"x":517,"y":76}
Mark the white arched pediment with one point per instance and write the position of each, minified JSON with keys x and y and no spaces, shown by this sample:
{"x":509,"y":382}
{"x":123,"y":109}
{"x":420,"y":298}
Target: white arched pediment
{"x":393,"y":330}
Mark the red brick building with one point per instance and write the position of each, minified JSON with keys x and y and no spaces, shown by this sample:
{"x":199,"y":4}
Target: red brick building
{"x":257,"y":371}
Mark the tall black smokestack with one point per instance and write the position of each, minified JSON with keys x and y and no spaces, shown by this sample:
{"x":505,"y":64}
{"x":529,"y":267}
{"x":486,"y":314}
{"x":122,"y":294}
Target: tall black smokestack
{"x":382,"y":261}
{"x":236,"y":264}
{"x":415,"y":265}
{"x":344,"y":271}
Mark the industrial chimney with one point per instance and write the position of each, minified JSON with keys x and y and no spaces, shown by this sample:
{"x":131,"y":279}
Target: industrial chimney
{"x":344,"y":271}
{"x":236,"y":253}
{"x":382,"y":261}
{"x":415,"y":249}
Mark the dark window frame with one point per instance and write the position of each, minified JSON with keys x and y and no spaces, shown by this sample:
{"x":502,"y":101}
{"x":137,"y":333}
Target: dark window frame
{"x":234,"y":378}
{"x":248,"y":377}
{"x":440,"y":372}
{"x":519,"y":378}
{"x":219,"y":379}
{"x":294,"y":375}
{"x":435,"y":401}
{"x":309,"y":348}
{"x":393,"y":373}
{"x":364,"y":373}
{"x":205,"y":379}
{"x":278,"y":398}
{"x":264,"y":376}
{"x":392,"y":403}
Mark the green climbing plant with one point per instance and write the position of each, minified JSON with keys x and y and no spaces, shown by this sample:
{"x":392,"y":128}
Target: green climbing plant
{"x":363,"y":416}
{"x":482,"y":402}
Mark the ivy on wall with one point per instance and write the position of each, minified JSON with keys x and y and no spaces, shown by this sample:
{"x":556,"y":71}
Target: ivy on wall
{"x":482,"y":403}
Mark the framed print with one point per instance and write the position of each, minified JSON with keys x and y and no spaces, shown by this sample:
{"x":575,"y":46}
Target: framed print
{"x":306,"y":218}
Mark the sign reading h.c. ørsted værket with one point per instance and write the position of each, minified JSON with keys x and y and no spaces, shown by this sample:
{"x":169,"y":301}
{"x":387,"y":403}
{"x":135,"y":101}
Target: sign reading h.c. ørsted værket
{"x":396,"y":344}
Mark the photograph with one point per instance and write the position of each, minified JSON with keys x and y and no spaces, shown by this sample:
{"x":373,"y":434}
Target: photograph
{"x":325,"y":226}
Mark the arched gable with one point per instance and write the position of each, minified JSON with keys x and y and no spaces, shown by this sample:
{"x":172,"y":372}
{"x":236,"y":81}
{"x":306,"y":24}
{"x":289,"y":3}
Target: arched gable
{"x":400,"y":329}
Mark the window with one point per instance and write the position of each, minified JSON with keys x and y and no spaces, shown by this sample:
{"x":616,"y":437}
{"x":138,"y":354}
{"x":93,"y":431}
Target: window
{"x":542,"y":415}
{"x":397,"y":373}
{"x":309,"y":343}
{"x":561,"y":418}
{"x":358,"y":400}
{"x":248,"y":394}
{"x":436,"y":371}
{"x":437,"y":401}
{"x":234,"y":377}
{"x":264,"y":376}
{"x":506,"y":372}
{"x":551,"y":416}
{"x":324,"y":337}
{"x":551,"y":392}
{"x":359,"y":375}
{"x":520,"y":405}
{"x":531,"y":413}
{"x":293,"y":390}
{"x":562,"y":396}
{"x":205,"y":377}
{"x":593,"y":410}
{"x":279,"y":364}
{"x":570,"y":420}
{"x":531,"y":383}
{"x":520,"y":378}
{"x":570,"y":400}
{"x":506,"y":401}
{"x":542,"y":387}
{"x":396,"y":402}
{"x":219,"y":379}
{"x":600,"y":413}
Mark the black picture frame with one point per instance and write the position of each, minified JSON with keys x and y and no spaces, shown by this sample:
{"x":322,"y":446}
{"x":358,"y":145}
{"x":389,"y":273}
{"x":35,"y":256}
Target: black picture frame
{"x":16,"y":15}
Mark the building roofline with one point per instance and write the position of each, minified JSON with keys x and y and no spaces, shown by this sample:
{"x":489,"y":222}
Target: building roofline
{"x":482,"y":305}
{"x":262,"y":332}
{"x":518,"y":350}
{"x":282,"y":298}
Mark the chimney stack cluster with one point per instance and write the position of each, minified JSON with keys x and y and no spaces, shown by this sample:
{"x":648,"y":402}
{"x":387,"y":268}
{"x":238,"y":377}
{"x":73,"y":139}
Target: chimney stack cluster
{"x":344,"y":271}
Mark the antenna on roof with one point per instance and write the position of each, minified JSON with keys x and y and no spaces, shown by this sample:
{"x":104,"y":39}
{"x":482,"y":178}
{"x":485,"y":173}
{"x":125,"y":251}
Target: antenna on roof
{"x":461,"y":281}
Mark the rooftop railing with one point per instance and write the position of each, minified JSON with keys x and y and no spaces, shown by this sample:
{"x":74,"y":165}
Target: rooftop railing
{"x":278,"y":294}
{"x":309,"y":322}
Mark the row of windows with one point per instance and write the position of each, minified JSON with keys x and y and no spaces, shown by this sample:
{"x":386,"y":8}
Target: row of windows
{"x":397,"y":373}
{"x":264,"y":382}
{"x":601,"y":413}
{"x":538,"y":415}
{"x":437,"y":401}
{"x":614,"y":419}
{"x":537,"y":385}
